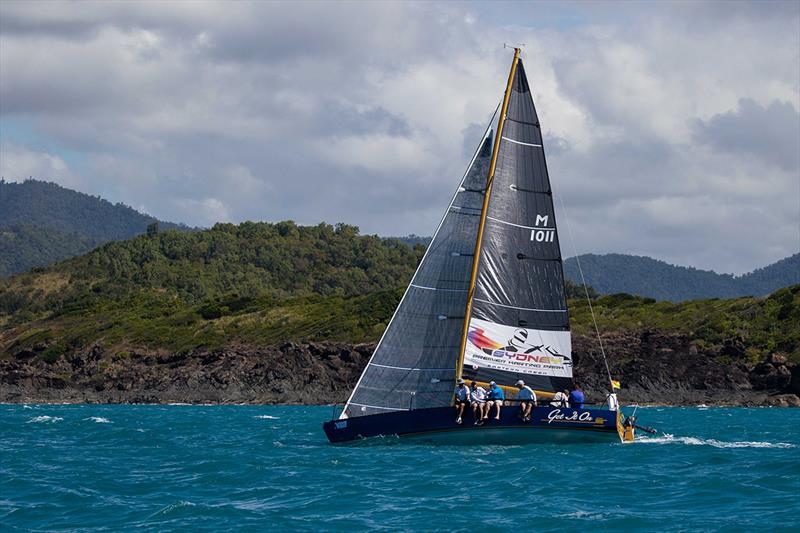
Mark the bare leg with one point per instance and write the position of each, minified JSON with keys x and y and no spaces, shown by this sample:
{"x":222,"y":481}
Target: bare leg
{"x":526,"y":412}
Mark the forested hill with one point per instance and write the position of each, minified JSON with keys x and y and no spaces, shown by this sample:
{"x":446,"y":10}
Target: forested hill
{"x":644,"y":276}
{"x":41,"y":222}
{"x":182,"y":277}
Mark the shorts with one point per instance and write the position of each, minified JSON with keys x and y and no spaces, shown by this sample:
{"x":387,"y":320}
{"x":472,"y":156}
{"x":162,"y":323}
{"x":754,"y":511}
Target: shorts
{"x":460,"y":402}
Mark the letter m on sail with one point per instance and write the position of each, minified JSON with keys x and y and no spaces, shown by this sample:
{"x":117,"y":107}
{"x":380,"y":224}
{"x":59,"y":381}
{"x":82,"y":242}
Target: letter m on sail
{"x":542,"y":219}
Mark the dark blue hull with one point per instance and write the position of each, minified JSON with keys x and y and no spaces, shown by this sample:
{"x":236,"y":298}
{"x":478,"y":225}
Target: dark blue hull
{"x":547,"y":424}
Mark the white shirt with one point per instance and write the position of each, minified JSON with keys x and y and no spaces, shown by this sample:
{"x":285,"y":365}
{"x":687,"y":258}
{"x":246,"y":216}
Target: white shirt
{"x":613,"y":403}
{"x":478,"y":394}
{"x":560,"y":400}
{"x":462,"y":393}
{"x":526,"y":393}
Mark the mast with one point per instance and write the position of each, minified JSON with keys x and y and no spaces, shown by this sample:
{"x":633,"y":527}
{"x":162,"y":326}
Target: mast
{"x":481,"y":225}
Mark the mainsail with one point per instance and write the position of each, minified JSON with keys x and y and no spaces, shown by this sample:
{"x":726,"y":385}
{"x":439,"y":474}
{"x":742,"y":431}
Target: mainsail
{"x":414,"y":364}
{"x":519,"y":323}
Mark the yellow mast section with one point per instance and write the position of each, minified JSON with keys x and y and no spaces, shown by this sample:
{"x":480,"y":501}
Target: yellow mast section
{"x":489,"y":179}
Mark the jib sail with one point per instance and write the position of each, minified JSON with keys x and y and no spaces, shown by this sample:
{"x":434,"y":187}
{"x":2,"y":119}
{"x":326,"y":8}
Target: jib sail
{"x":414,"y":364}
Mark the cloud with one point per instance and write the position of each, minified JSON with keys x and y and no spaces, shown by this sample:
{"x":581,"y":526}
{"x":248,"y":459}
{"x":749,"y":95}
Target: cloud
{"x":367,"y":112}
{"x":18,"y":163}
{"x":770,"y":133}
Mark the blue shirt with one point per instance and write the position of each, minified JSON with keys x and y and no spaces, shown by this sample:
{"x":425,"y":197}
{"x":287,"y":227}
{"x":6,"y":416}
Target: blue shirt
{"x":496,"y":393}
{"x":576,"y":399}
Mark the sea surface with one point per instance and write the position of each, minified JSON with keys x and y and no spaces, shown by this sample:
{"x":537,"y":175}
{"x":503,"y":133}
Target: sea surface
{"x":182,"y":468}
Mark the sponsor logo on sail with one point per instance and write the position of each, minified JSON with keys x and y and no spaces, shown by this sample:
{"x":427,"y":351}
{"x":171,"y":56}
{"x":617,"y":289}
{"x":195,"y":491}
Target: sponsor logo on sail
{"x":518,"y":348}
{"x":542,"y":233}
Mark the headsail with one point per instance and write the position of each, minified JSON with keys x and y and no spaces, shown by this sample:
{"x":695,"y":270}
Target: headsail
{"x":413,"y":365}
{"x":519,"y":324}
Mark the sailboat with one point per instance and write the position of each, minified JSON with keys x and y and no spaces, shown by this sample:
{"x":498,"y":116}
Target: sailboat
{"x":486,"y":304}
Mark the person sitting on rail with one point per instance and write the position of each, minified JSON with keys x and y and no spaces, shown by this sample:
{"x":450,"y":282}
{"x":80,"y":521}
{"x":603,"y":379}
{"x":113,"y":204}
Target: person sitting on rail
{"x":527,"y":399}
{"x":576,"y":397}
{"x":496,"y":397}
{"x":477,"y":398}
{"x":462,"y":399}
{"x":560,"y":399}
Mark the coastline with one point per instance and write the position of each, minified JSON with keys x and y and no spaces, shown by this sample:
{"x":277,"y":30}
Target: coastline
{"x":656,"y":369}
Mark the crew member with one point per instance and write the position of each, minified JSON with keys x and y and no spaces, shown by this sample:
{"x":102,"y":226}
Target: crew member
{"x":576,"y":397}
{"x":527,"y":399}
{"x":480,"y":410}
{"x":560,"y":399}
{"x":462,"y":399}
{"x":496,"y":397}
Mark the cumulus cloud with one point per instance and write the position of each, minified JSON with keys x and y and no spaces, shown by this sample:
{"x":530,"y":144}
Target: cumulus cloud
{"x":669,"y":127}
{"x":22,"y":163}
{"x":769,"y":132}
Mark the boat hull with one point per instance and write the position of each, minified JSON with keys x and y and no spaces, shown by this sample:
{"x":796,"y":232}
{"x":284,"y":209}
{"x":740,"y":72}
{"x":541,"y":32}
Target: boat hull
{"x":437,"y":425}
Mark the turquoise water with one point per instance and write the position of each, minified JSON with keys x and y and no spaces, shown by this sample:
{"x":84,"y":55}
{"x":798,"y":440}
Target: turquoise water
{"x":169,"y":468}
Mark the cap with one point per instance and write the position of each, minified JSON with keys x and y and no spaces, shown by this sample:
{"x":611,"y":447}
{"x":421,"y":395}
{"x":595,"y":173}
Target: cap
{"x":493,"y":383}
{"x":460,"y":381}
{"x":521,"y":383}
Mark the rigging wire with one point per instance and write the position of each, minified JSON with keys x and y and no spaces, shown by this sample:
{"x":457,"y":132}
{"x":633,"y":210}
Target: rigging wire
{"x":586,"y":291}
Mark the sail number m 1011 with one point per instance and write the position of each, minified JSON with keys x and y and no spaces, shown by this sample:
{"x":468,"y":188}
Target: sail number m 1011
{"x":542,"y":233}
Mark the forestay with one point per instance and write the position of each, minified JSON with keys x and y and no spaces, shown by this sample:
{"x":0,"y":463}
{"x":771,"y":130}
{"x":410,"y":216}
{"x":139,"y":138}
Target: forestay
{"x":414,"y":364}
{"x":519,"y":325}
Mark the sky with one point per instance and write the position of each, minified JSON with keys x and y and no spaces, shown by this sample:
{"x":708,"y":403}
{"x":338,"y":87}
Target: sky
{"x":671,"y":129}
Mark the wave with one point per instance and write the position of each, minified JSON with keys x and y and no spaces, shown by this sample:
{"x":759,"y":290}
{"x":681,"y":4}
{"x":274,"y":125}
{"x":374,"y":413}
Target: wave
{"x":171,"y":507}
{"x":44,"y":419}
{"x":99,"y":420}
{"x":267,"y":417}
{"x":694,"y":441}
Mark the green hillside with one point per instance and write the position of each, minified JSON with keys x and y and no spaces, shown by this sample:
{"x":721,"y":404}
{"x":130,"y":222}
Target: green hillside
{"x":24,"y":246}
{"x":261,"y":284}
{"x":42,"y":222}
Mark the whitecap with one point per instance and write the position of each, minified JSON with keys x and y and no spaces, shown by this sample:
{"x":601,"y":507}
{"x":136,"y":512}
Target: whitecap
{"x":267,"y":417}
{"x":171,"y":507}
{"x":694,"y":441}
{"x":99,"y":420}
{"x":27,"y":407}
{"x":586,"y":515}
{"x":44,"y":419}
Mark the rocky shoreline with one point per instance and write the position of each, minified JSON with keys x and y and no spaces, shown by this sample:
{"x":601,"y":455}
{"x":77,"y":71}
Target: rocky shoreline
{"x":654,"y":368}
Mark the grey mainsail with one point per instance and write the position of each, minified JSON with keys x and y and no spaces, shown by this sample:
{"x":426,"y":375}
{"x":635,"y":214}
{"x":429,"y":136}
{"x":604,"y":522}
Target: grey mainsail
{"x":519,"y":324}
{"x":414,"y":364}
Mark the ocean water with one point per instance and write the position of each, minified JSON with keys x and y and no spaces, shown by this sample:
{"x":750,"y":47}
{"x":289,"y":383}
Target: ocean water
{"x":180,"y":468}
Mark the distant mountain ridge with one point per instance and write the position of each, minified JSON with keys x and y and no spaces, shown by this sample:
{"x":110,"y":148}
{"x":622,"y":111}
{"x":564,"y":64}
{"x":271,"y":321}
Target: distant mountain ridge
{"x":42,"y":222}
{"x":645,"y":276}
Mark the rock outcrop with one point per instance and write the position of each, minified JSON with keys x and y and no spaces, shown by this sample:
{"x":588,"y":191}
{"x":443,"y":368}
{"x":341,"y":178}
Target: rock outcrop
{"x":654,"y":367}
